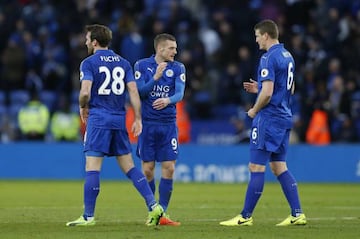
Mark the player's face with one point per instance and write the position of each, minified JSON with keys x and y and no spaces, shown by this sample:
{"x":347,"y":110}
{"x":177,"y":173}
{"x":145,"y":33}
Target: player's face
{"x":260,"y":39}
{"x":89,"y":44}
{"x":167,"y":50}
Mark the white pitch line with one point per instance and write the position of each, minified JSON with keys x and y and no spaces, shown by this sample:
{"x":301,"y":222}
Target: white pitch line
{"x":272,"y":219}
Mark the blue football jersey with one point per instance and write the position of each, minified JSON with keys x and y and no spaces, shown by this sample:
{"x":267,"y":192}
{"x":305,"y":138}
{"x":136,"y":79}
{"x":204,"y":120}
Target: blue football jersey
{"x":278,"y":65}
{"x":172,"y":81}
{"x":109,"y":74}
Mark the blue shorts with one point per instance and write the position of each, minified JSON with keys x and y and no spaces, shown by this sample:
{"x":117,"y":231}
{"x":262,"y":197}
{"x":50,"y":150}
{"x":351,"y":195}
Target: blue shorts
{"x":268,"y":141}
{"x":109,"y":142}
{"x":158,"y":142}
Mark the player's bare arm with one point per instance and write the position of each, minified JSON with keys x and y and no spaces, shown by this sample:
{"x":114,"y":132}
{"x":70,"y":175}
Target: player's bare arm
{"x":263,"y":98}
{"x":251,"y":86}
{"x":136,"y":127}
{"x":84,"y":98}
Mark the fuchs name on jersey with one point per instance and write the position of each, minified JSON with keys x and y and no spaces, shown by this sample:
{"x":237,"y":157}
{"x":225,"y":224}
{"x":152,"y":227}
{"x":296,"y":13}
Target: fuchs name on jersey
{"x":109,"y":58}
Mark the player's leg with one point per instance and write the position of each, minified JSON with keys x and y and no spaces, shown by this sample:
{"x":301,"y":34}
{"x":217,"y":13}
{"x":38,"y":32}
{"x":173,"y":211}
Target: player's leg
{"x":148,"y":168}
{"x":137,"y":177}
{"x":290,"y":190}
{"x":165,"y":191}
{"x":258,"y":160}
{"x":288,"y":184}
{"x":91,"y":189}
{"x":139,"y":181}
{"x":146,"y":151}
{"x":166,"y":183}
{"x":92,"y":184}
{"x":254,"y":189}
{"x":167,"y":152}
{"x":96,"y":143}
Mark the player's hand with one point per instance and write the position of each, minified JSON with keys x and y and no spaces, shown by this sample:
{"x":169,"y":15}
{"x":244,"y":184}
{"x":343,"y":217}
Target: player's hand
{"x":84,"y":114}
{"x":252,"y":113}
{"x":159,"y":70}
{"x":161,"y":103}
{"x":251,"y":87}
{"x":136,"y":128}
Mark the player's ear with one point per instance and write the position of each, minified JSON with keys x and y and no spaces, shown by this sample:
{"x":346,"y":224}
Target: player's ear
{"x":94,"y":42}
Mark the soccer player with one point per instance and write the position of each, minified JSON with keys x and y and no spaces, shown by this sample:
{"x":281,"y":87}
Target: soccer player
{"x":161,"y":83}
{"x":271,"y":126}
{"x":105,"y":77}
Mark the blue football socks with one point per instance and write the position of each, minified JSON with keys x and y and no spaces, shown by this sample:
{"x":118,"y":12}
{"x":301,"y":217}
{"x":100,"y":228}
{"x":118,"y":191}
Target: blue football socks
{"x":152,"y":185}
{"x":141,"y":184}
{"x":165,"y":190}
{"x":91,"y":191}
{"x":289,"y":187}
{"x":253,"y":193}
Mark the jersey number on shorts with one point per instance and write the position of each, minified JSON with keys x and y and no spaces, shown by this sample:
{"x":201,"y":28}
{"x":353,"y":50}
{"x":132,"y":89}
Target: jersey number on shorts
{"x":117,"y":85}
{"x":254,"y":133}
{"x":174,"y":143}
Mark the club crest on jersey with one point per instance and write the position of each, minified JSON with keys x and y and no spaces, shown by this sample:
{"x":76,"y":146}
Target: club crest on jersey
{"x":137,"y":75}
{"x":264,"y":72}
{"x":81,"y":75}
{"x":169,"y":73}
{"x":182,"y":77}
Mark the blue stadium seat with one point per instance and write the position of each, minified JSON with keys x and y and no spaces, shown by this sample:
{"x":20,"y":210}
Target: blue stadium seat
{"x":19,"y":97}
{"x":13,"y":111}
{"x":225,"y":111}
{"x":49,"y":99}
{"x":74,"y":107}
{"x":75,"y":97}
{"x":2,"y":98}
{"x":3,"y":112}
{"x":357,"y":128}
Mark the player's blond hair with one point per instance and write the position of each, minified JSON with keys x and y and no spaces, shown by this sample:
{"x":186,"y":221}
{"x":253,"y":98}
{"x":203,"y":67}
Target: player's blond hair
{"x":161,"y":38}
{"x":269,"y":27}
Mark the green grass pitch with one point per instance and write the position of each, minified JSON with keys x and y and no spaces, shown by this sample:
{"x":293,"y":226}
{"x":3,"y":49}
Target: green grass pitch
{"x":40,"y":209}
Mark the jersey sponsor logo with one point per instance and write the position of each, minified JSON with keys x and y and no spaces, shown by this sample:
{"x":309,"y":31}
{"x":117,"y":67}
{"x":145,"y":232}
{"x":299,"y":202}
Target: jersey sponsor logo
{"x":264,"y":72}
{"x":149,"y":69}
{"x":169,"y":73}
{"x":160,"y":91}
{"x":137,"y":75}
{"x":183,"y":77}
{"x":81,"y":75}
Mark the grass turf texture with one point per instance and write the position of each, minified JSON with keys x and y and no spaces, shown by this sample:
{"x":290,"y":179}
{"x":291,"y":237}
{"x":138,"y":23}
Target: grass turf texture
{"x":40,"y":209}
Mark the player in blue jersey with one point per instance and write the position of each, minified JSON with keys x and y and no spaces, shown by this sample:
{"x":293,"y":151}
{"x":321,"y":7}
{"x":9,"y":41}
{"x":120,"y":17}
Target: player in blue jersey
{"x":161,"y":84}
{"x":105,"y":77}
{"x":272,"y":122}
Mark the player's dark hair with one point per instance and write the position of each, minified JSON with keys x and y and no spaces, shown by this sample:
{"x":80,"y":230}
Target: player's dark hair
{"x":269,"y":27}
{"x":102,"y":34}
{"x":163,"y":37}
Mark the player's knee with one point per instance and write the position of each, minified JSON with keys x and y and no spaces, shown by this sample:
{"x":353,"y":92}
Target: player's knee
{"x":278,"y":168}
{"x":168,"y":170}
{"x":149,"y":173}
{"x":256,"y":167}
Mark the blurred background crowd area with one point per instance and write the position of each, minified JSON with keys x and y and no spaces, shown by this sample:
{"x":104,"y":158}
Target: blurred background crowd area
{"x":42,"y":44}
